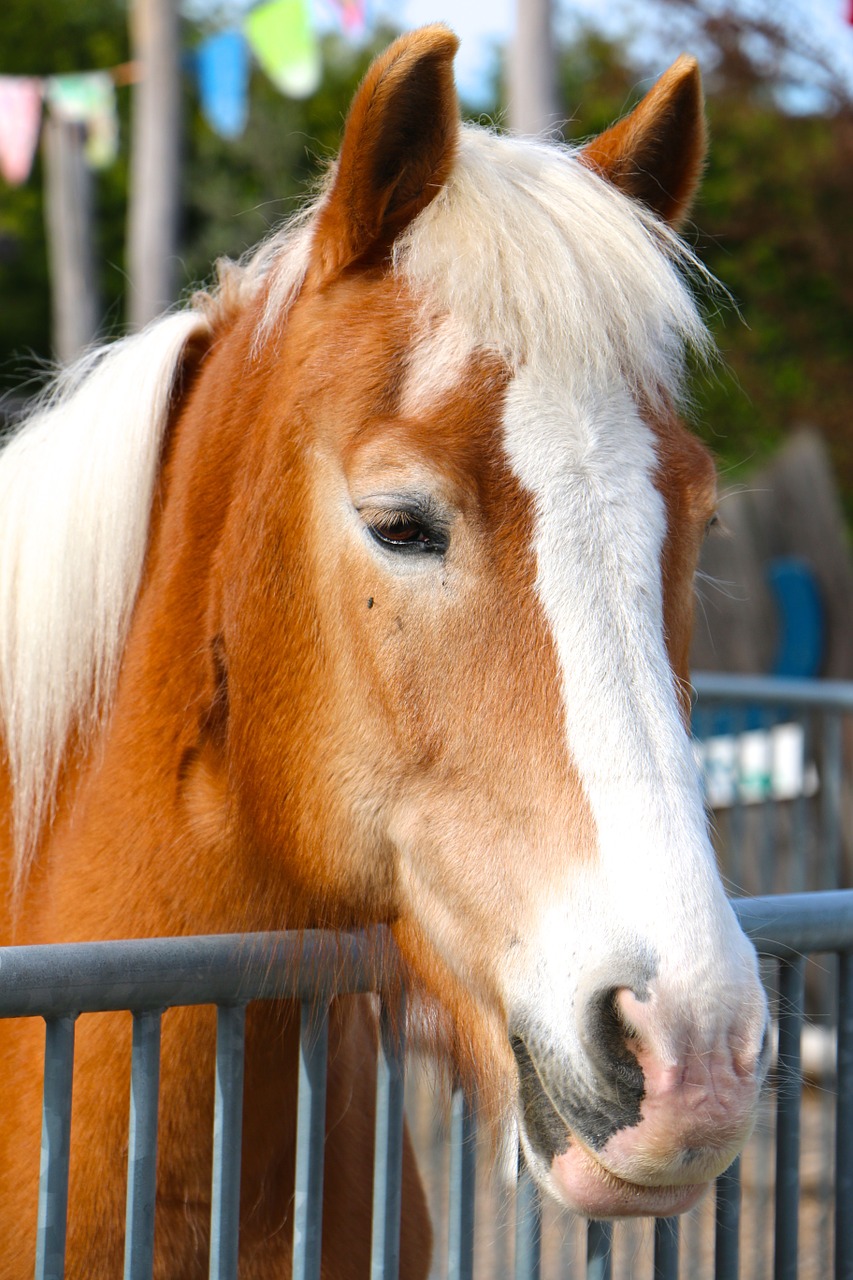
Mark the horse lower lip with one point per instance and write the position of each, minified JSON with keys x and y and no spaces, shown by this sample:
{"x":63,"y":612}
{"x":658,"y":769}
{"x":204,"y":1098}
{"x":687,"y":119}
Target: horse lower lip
{"x":589,"y":1188}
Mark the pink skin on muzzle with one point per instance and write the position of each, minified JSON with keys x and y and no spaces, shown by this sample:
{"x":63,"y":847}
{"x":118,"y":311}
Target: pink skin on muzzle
{"x":697,"y":1112}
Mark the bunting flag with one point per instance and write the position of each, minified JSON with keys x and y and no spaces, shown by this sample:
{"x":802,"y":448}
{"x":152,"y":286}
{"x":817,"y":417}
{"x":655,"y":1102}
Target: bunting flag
{"x":353,"y":15}
{"x":20,"y":122}
{"x":283,"y":41}
{"x":222,"y":62}
{"x":88,"y":99}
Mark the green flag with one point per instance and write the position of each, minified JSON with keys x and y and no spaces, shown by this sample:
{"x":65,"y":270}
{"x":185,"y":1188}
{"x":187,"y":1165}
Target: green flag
{"x":285,"y":45}
{"x":88,"y":98}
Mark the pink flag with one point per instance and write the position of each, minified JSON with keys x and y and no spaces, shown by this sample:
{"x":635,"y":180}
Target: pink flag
{"x":20,"y":120}
{"x":353,"y":15}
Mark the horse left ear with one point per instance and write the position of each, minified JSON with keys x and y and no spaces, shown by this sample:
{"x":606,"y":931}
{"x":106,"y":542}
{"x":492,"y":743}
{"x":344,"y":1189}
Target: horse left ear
{"x":398,"y":148}
{"x":657,"y":152}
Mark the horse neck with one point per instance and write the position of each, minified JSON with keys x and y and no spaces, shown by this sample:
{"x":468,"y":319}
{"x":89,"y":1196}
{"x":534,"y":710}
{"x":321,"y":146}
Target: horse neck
{"x":143,"y":842}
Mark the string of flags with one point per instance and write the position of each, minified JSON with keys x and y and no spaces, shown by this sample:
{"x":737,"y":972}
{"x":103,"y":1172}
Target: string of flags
{"x":279,"y":33}
{"x":87,"y":99}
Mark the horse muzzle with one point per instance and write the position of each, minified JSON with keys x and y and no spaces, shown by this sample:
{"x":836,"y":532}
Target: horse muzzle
{"x":627,"y":1128}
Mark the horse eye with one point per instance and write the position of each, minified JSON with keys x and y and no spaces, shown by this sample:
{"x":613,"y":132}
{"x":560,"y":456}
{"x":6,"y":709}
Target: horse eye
{"x":403,"y":531}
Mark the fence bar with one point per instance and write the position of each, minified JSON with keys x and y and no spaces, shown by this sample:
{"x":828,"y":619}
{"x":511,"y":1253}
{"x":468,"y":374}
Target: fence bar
{"x":463,"y":1166}
{"x":55,"y":1148}
{"x":831,"y":801}
{"x":142,"y":1148}
{"x":666,"y":1249}
{"x":156,"y":973}
{"x":727,"y":1225}
{"x":388,"y":1150}
{"x":599,"y":1250}
{"x":310,"y":1136}
{"x":844,"y":1123}
{"x":227,"y":1138}
{"x":528,"y":1227}
{"x":789,"y":924}
{"x":788,"y":1084}
{"x":815,"y":695}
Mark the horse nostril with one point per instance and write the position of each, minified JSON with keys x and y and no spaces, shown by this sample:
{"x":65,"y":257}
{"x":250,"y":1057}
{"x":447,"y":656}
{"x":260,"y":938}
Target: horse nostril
{"x":606,"y":1040}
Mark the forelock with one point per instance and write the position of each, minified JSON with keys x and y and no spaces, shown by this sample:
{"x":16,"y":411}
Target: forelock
{"x":541,"y":260}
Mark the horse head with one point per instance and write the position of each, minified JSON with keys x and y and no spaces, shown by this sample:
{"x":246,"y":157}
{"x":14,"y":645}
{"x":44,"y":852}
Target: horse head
{"x":456,"y":636}
{"x":410,"y":638}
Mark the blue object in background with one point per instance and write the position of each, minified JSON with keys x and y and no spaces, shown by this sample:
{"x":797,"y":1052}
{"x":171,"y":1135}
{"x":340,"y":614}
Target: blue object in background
{"x":222,"y":62}
{"x":800,"y":645}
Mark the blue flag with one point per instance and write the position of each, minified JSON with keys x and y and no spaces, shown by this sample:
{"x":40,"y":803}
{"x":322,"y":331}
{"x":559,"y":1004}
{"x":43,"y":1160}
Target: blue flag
{"x":223,"y":80}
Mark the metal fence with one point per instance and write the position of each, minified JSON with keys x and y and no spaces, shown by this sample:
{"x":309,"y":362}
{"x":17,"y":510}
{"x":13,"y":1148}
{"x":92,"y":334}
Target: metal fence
{"x":777,"y":760}
{"x":778,"y":763}
{"x":148,"y":976}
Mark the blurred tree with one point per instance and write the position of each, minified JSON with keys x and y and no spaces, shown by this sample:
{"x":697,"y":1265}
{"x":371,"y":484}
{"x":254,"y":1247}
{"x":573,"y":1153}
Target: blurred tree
{"x":772,"y":220}
{"x":48,"y":37}
{"x":238,"y":190}
{"x":234,"y":191}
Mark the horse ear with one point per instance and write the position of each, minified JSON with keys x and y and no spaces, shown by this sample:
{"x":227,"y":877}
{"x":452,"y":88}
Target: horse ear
{"x":398,"y":149}
{"x":657,"y":152}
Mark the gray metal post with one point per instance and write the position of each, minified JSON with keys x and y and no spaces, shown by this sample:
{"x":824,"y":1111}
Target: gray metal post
{"x":532,"y":68}
{"x":727,"y":1229}
{"x":666,"y":1249}
{"x":155,"y":159}
{"x":227,"y":1142}
{"x":388,"y":1149}
{"x":142,"y":1148}
{"x":528,"y":1228}
{"x":786,"y":1235}
{"x":310,"y":1136}
{"x":55,"y":1148}
{"x":69,"y":216}
{"x":831,"y":801}
{"x":599,"y":1251}
{"x":463,"y":1169}
{"x":844,"y":1124}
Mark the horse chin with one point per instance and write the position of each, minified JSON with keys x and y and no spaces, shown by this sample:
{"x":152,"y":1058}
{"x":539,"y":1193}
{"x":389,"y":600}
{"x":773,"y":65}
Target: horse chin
{"x":583,"y":1184}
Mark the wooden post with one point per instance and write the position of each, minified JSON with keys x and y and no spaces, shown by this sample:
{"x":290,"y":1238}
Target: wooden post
{"x":532,"y":69}
{"x":68,"y":215}
{"x":155,"y":159}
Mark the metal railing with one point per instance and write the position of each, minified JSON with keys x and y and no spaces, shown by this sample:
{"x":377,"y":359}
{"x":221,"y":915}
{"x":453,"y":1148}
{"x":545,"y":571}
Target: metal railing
{"x":148,"y":976}
{"x":777,"y":833}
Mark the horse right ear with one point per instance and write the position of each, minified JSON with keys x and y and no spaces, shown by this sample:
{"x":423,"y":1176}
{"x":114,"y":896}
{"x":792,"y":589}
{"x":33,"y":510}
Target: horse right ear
{"x":657,"y":152}
{"x":398,"y":148}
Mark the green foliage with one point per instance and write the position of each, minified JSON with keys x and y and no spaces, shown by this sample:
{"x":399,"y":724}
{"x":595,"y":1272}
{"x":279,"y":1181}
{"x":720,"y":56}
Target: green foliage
{"x":237,"y":191}
{"x":773,"y":216}
{"x":44,"y":37}
{"x":771,"y":222}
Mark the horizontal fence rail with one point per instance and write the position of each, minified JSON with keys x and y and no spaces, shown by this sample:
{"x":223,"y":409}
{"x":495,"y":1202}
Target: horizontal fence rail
{"x":60,"y":982}
{"x":65,"y":979}
{"x":777,"y":762}
{"x":773,"y":691}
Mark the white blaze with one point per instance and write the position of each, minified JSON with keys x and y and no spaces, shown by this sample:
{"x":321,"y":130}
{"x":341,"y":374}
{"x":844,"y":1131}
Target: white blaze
{"x":589,"y":462}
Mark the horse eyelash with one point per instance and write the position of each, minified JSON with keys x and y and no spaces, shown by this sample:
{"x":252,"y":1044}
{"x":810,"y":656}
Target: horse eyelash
{"x":392,"y":519}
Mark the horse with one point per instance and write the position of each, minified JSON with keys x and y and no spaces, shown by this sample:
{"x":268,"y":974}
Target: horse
{"x":359,"y":592}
